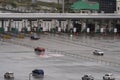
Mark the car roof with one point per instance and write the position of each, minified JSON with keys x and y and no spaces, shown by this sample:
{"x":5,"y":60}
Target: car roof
{"x":38,"y":71}
{"x":87,"y":75}
{"x":108,"y":74}
{"x":98,"y":50}
{"x":10,"y":72}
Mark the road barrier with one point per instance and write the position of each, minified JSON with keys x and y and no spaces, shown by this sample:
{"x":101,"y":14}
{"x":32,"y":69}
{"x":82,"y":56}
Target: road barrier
{"x":20,"y":36}
{"x":6,"y":37}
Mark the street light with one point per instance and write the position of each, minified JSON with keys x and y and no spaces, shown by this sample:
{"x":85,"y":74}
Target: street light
{"x":30,"y":76}
{"x":58,"y":2}
{"x":63,"y":6}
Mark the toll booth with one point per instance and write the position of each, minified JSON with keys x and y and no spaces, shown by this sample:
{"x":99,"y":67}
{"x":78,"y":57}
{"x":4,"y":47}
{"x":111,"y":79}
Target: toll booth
{"x":2,"y":30}
{"x":24,"y":30}
{"x":91,"y":27}
{"x":117,"y":26}
{"x":14,"y":30}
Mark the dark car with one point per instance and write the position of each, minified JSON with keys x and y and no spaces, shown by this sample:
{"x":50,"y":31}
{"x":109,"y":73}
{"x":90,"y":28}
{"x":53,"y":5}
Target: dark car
{"x":87,"y":77}
{"x":38,"y":73}
{"x":9,"y":75}
{"x":39,"y":50}
{"x":34,"y":37}
{"x":98,"y":52}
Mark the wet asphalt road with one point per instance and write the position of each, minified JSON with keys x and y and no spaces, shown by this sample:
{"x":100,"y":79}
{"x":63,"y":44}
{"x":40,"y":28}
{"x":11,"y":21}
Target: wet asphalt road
{"x":66,"y":58}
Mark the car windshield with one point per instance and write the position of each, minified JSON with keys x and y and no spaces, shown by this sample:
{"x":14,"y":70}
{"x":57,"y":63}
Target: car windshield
{"x":98,"y":51}
{"x":108,"y":74}
{"x":85,"y":75}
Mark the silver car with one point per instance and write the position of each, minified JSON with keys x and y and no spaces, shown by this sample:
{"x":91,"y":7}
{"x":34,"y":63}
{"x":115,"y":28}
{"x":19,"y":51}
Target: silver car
{"x":108,"y":76}
{"x":98,"y":52}
{"x":87,"y":77}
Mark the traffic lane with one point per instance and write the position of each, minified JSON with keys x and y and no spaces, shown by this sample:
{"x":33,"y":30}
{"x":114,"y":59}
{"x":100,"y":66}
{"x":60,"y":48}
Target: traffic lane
{"x":111,"y":55}
{"x":55,"y":67}
{"x":52,"y":44}
{"x":6,"y":47}
{"x":62,"y":67}
{"x":109,"y":59}
{"x":95,"y":42}
{"x":109,"y":46}
{"x":65,"y":46}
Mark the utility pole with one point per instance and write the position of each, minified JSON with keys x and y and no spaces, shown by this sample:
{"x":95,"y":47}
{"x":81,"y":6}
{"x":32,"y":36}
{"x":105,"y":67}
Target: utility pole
{"x":58,"y":2}
{"x":63,"y":6}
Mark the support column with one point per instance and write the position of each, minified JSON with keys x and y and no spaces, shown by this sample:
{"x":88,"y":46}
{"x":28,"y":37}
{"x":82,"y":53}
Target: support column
{"x":97,"y":27}
{"x":110,"y":25}
{"x":19,"y":27}
{"x":83,"y":24}
{"x":5,"y":27}
{"x":70,"y":24}
{"x":9,"y":25}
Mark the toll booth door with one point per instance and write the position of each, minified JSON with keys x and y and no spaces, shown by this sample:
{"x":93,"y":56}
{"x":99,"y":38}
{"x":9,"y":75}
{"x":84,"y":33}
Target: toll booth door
{"x":118,"y":27}
{"x":92,"y":27}
{"x":78,"y":27}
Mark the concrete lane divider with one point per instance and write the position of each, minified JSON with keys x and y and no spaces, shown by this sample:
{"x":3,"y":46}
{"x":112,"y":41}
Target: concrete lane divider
{"x":6,"y":36}
{"x":20,"y":36}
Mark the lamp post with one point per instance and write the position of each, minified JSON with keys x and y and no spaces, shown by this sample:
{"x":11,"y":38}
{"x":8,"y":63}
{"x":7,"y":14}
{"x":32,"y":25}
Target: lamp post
{"x":63,"y":6}
{"x":30,"y":76}
{"x":58,"y":2}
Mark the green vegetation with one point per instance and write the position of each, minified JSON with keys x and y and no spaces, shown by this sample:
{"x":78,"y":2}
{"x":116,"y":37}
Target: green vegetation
{"x":67,"y":5}
{"x":28,"y":3}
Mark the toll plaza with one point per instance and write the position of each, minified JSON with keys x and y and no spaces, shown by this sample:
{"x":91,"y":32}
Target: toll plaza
{"x":60,"y":22}
{"x":67,"y":42}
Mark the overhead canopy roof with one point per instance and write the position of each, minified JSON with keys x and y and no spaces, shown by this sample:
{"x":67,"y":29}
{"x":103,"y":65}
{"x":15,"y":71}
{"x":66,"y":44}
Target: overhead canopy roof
{"x":85,"y":5}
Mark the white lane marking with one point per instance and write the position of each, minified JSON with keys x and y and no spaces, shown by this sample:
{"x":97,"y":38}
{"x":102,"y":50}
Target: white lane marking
{"x":51,"y":55}
{"x":57,"y":55}
{"x":25,"y":57}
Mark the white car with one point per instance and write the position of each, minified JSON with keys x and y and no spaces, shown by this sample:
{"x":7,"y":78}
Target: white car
{"x":98,"y":52}
{"x":108,"y":76}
